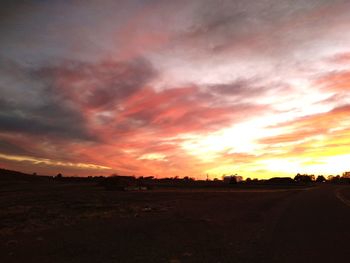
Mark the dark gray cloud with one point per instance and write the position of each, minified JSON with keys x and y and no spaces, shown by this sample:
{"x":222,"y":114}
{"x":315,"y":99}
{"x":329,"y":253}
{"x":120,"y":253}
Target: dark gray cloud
{"x":51,"y":119}
{"x":29,"y":106}
{"x":12,"y":148}
{"x":97,"y":85}
{"x":240,"y":88}
{"x":54,"y":100}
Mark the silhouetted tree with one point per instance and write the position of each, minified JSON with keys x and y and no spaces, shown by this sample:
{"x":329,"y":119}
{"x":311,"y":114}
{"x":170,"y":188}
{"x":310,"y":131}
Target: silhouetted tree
{"x":280,"y":180}
{"x":335,"y":179}
{"x":330,"y":177}
{"x":186,"y":178}
{"x":304,"y":178}
{"x":320,"y":179}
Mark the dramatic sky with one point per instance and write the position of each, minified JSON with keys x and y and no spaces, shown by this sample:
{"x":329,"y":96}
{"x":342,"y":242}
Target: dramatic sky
{"x":175,"y":88}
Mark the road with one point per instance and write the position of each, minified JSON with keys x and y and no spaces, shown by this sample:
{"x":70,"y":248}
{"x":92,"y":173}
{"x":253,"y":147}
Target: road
{"x":314,"y":227}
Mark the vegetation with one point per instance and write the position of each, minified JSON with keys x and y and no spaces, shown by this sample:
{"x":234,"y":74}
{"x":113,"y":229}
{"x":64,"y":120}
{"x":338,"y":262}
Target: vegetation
{"x":128,"y":183}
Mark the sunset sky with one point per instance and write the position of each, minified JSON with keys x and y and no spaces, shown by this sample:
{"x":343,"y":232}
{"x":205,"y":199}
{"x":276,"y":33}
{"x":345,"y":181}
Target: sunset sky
{"x":175,"y":88}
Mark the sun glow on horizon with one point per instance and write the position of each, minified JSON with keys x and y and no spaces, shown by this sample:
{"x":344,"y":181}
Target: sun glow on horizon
{"x":49,"y":162}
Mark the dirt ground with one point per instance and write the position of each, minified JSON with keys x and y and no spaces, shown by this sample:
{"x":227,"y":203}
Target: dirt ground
{"x":59,"y":222}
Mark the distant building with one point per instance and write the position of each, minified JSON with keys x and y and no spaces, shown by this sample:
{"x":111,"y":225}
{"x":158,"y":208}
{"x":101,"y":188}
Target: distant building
{"x":229,"y":178}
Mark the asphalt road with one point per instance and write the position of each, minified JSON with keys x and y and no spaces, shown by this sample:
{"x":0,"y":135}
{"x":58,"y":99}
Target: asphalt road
{"x":314,"y":227}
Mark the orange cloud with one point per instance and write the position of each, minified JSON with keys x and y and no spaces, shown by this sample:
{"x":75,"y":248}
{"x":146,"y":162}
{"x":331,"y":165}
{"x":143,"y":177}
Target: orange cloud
{"x":338,"y":81}
{"x":313,"y":125}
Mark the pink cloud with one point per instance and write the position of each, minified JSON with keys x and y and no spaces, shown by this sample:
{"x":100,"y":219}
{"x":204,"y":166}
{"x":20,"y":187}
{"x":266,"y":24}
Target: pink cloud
{"x":338,"y":81}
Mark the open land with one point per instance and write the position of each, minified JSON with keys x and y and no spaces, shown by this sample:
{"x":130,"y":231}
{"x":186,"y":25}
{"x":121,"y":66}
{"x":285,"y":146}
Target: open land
{"x":81,"y":222}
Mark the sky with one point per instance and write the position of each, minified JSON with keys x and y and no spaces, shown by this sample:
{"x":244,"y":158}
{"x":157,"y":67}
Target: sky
{"x":175,"y":88}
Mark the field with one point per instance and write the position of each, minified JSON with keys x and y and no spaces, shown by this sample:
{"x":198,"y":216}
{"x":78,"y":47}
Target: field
{"x":81,"y":222}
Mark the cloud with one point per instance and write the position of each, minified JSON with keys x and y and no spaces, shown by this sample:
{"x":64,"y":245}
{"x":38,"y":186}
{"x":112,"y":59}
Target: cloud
{"x":264,"y":28}
{"x":12,"y":148}
{"x":337,"y":81}
{"x":340,"y":58}
{"x":97,"y":85}
{"x":62,"y":95}
{"x":54,"y":117}
{"x":183,"y":110}
{"x":112,"y":82}
{"x":307,"y":127}
{"x":76,"y":109}
{"x":239,"y":88}
{"x":248,"y":90}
